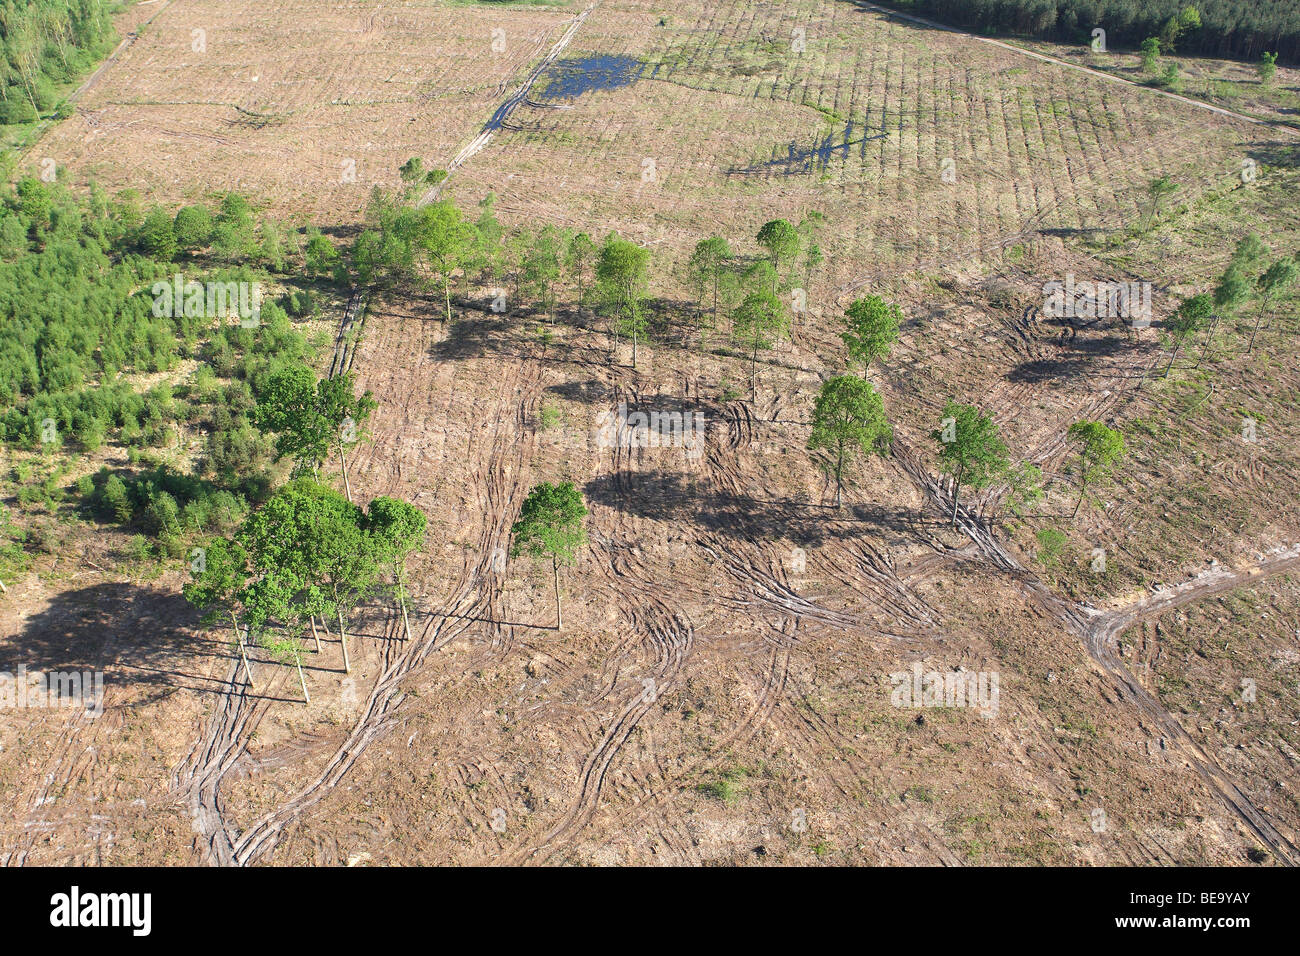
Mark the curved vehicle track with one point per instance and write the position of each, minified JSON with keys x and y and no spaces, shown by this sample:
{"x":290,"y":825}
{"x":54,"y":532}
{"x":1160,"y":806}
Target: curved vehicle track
{"x":1099,"y":629}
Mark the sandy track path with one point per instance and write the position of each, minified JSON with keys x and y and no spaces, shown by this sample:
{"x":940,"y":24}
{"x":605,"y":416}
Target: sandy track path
{"x":500,"y":480}
{"x":1088,"y":71}
{"x":503,"y":112}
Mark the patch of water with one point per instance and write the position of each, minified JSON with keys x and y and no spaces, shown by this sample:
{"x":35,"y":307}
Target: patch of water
{"x":569,"y":79}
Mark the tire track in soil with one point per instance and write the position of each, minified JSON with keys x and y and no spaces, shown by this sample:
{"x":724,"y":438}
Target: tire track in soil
{"x":672,"y":637}
{"x":500,"y":480}
{"x":761,"y":576}
{"x":649,"y":617}
{"x":73,"y":762}
{"x":1098,"y":631}
{"x":197,"y":779}
{"x":503,"y":112}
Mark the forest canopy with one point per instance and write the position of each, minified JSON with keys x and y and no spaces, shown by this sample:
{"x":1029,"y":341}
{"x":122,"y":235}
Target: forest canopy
{"x":1241,"y":29}
{"x":48,"y":44}
{"x":86,"y":342}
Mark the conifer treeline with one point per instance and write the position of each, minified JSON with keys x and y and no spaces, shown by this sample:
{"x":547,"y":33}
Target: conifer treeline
{"x":1241,"y":29}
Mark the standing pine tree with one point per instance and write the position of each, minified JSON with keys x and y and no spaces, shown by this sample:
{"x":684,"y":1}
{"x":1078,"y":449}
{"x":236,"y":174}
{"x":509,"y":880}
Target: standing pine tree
{"x":871,"y":329}
{"x":550,"y":526}
{"x":848,"y":419}
{"x":971,"y":449}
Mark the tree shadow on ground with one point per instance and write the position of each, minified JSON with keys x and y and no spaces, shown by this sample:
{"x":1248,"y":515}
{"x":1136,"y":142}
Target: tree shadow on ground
{"x":673,"y":497}
{"x":1083,"y":353}
{"x":506,"y":336}
{"x":1283,"y":154}
{"x":590,"y":392}
{"x":130,"y":632}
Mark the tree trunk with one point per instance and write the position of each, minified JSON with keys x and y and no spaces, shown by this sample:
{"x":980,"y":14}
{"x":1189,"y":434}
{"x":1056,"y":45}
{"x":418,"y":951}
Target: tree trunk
{"x":555,"y":571}
{"x":1259,"y":317}
{"x":446,"y":291}
{"x":243,"y":656}
{"x":302,"y":681}
{"x":343,"y":640}
{"x":343,"y":461}
{"x":839,"y":484}
{"x":401,"y":599}
{"x":1209,"y":337}
{"x":315,"y":633}
{"x":1177,"y":346}
{"x":956,"y":495}
{"x":1078,"y":504}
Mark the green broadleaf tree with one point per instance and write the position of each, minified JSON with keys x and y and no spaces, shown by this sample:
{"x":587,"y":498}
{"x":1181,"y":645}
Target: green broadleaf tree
{"x":311,"y":537}
{"x":971,"y":449}
{"x":708,"y":261}
{"x":1100,"y":448}
{"x":621,"y":287}
{"x":543,"y":266}
{"x":871,"y":329}
{"x":550,"y":526}
{"x":397,"y":529}
{"x":848,"y":419}
{"x":446,"y":239}
{"x":781,"y":240}
{"x":760,"y":320}
{"x":1193,"y":315}
{"x":268,"y":598}
{"x":1230,"y":295}
{"x":1158,"y":190}
{"x":218,"y":573}
{"x":1272,"y":286}
{"x":579,"y":259}
{"x":1267,"y":68}
{"x":309,"y":417}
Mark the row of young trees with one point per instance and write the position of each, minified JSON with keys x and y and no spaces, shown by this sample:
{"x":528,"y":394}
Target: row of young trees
{"x":849,"y":417}
{"x":435,"y":245}
{"x":1250,"y":278}
{"x":439,"y":247}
